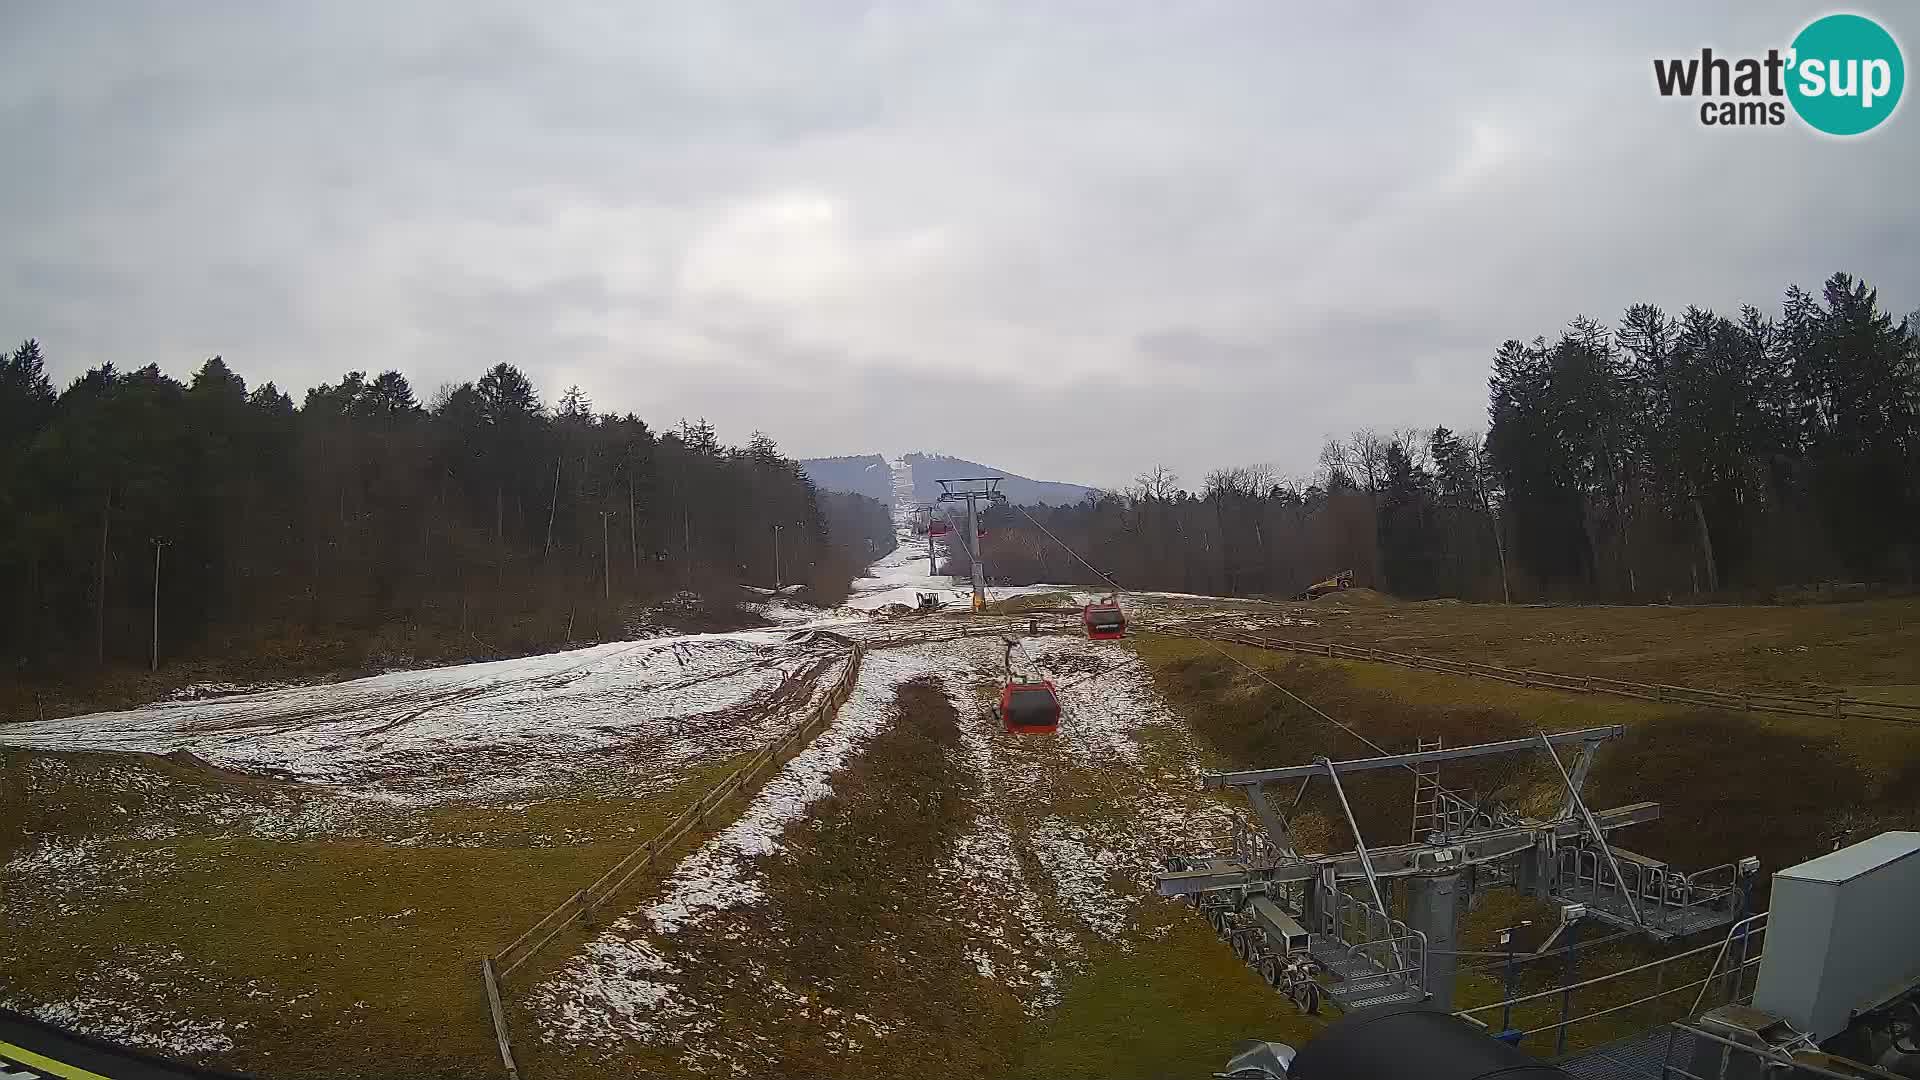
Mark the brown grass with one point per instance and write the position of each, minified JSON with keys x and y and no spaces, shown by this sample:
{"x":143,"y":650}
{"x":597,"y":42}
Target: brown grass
{"x":860,"y":874}
{"x":1874,"y":642}
{"x":378,"y":942}
{"x":859,"y":929}
{"x":1250,"y":724}
{"x":1730,"y":784}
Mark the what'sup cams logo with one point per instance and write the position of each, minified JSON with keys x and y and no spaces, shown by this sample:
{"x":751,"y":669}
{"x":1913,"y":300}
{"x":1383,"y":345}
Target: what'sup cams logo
{"x":1842,"y":75}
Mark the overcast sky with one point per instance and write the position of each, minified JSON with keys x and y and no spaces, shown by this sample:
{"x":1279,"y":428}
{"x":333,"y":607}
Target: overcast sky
{"x":1071,"y":240}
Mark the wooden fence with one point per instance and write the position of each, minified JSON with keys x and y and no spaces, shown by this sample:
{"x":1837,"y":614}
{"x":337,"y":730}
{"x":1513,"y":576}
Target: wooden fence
{"x":1834,"y":707}
{"x":581,"y":905}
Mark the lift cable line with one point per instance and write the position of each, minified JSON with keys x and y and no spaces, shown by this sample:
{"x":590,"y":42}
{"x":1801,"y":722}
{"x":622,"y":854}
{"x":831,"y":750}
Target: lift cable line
{"x":1133,"y":658}
{"x":1064,"y":547}
{"x":1293,"y":917}
{"x":1217,"y":647}
{"x":1243,"y":665}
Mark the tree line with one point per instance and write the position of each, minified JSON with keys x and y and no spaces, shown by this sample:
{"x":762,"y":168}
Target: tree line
{"x":362,"y":515}
{"x":1670,"y":456}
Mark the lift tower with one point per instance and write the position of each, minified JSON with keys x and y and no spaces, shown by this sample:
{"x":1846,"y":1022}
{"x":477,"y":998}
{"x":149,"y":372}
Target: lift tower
{"x":974,"y":491}
{"x":1327,"y":925}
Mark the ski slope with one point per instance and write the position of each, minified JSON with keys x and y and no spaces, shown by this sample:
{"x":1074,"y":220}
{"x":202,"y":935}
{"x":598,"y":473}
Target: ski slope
{"x":491,"y":729}
{"x":905,"y":572}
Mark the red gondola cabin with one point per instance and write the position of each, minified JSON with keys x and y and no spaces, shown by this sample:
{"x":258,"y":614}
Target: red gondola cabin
{"x":1104,"y":620}
{"x":939,"y":528}
{"x":1029,"y":708}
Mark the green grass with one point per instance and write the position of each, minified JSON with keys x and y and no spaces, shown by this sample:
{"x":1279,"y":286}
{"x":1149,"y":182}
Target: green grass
{"x":860,"y":929}
{"x":1172,"y":1004}
{"x":1718,"y":776}
{"x":377,"y":942}
{"x":1715,"y":773}
{"x":314,"y":923}
{"x":1871,"y":643}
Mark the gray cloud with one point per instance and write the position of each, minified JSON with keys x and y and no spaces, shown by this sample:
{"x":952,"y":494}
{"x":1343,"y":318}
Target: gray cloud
{"x":1072,"y":239}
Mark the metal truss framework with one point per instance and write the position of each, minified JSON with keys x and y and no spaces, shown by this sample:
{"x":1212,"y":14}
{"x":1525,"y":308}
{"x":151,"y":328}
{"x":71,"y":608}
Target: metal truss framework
{"x":1325,"y":925}
{"x":976,"y":490}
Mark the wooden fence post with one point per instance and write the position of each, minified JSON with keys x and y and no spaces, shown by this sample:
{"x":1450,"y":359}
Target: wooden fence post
{"x":581,"y":905}
{"x":499,"y":1018}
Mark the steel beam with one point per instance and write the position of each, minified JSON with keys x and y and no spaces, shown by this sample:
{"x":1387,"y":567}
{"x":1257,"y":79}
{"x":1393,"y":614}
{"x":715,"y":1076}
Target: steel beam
{"x":1366,"y":864}
{"x":1217,"y":781}
{"x":1276,"y":825}
{"x":1403,"y":859}
{"x":1573,"y":796}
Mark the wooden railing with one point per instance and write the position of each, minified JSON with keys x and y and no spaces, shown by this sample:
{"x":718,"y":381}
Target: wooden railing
{"x":582,"y":904}
{"x":1836,"y":707}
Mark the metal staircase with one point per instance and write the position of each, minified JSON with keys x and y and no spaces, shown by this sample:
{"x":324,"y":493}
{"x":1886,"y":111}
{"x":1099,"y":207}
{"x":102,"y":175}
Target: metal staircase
{"x":1368,"y":958}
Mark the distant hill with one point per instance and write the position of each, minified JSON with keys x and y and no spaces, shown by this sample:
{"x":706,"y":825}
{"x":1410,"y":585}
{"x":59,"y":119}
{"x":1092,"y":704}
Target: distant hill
{"x":866,"y":474}
{"x":1020,"y":489}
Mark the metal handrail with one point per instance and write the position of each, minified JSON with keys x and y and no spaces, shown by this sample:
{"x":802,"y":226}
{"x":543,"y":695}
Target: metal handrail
{"x":1780,"y":1056}
{"x":1655,"y":996}
{"x":1360,"y":845}
{"x":1587,"y":982}
{"x":1745,"y":927}
{"x":1599,"y":836}
{"x":1417,"y":944}
{"x":1670,"y":894}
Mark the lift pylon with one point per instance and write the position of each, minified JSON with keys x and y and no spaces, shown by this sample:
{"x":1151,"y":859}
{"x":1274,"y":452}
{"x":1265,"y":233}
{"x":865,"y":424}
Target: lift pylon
{"x":973,"y":491}
{"x":1331,"y":918}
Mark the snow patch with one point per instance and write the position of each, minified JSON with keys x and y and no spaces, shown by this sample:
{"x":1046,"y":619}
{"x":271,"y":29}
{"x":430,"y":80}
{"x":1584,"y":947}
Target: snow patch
{"x":475,"y":731}
{"x":591,"y":998}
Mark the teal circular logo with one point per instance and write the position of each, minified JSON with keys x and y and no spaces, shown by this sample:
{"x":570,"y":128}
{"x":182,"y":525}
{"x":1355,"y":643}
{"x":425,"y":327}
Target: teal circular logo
{"x":1846,"y":74}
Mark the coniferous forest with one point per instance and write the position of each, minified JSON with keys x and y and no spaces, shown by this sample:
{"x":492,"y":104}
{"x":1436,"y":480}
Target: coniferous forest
{"x":1697,"y":455}
{"x":362,"y":522}
{"x":1668,"y":457}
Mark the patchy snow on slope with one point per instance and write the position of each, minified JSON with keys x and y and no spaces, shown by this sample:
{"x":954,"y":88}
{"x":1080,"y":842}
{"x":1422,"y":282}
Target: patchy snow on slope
{"x":1037,"y":880}
{"x":993,"y":895}
{"x":643,"y":995}
{"x":118,"y":1019}
{"x":903,"y":572}
{"x":591,"y":998}
{"x":118,"y":999}
{"x":784,"y":612}
{"x":473,"y":730}
{"x":710,"y":879}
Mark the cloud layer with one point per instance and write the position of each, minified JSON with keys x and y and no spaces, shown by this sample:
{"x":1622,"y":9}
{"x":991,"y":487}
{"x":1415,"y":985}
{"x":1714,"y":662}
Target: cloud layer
{"x":1072,"y":239}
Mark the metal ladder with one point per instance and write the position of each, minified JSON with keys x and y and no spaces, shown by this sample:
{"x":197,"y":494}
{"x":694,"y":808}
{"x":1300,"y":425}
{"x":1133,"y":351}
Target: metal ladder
{"x":1427,"y":817}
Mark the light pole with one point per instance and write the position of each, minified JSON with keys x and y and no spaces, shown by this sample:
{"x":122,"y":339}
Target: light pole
{"x":606,"y":557}
{"x":776,"y":557}
{"x":154,"y":663}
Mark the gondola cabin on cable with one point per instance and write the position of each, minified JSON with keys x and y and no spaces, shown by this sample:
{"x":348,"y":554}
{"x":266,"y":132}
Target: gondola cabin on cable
{"x":1104,"y":620}
{"x":939,"y":528}
{"x":1028,"y":706}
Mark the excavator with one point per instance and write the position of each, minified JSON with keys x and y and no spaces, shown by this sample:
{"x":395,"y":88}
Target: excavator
{"x":1341,"y":580}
